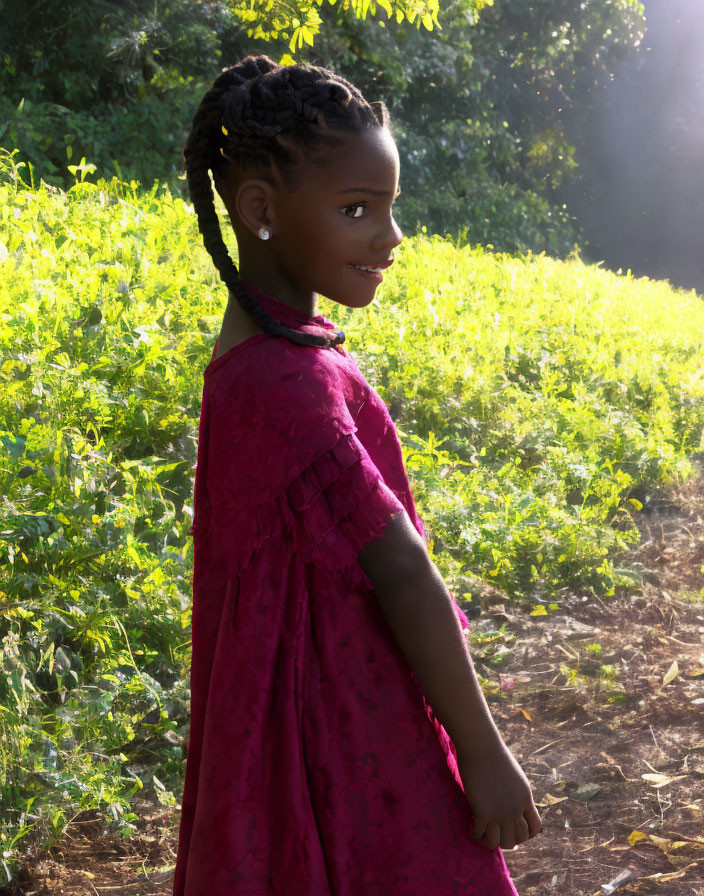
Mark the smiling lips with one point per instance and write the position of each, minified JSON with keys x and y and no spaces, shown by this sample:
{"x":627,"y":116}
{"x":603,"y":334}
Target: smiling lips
{"x":372,"y":269}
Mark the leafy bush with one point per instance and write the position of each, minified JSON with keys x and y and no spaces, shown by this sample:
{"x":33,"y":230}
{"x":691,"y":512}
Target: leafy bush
{"x":543,"y":402}
{"x":539,"y":404}
{"x":478,"y":106}
{"x":479,"y":109}
{"x":138,"y":141}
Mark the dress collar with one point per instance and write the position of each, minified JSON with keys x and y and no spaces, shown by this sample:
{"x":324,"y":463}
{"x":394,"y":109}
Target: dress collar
{"x":287,"y":314}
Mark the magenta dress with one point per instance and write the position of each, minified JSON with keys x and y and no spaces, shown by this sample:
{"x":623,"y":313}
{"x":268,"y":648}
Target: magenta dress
{"x":315,"y":765}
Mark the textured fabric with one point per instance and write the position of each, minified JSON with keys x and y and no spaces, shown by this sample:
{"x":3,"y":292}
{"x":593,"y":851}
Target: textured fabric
{"x":315,"y":765}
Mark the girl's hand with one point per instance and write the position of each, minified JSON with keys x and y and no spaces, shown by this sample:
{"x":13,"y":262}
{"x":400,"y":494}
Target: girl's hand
{"x":500,"y":798}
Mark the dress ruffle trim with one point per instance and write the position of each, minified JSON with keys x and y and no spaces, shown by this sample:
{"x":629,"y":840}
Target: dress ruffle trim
{"x":332,"y":508}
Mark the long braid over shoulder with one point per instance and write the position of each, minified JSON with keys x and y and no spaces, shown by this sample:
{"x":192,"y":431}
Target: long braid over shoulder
{"x":258,"y":112}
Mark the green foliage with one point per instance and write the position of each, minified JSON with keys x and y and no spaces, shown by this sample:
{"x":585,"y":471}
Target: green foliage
{"x":119,"y":84}
{"x":479,"y":109}
{"x":140,"y":133}
{"x":540,"y":404}
{"x":112,"y":83}
{"x":298,"y":21}
{"x":477,"y":95}
{"x":546,"y":403}
{"x":98,"y":446}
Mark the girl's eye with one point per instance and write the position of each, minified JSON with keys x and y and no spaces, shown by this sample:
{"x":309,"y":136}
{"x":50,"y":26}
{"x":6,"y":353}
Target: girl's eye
{"x":358,"y":207}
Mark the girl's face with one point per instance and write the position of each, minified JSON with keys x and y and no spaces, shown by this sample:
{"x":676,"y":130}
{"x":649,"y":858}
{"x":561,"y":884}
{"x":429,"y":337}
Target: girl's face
{"x":337,"y":219}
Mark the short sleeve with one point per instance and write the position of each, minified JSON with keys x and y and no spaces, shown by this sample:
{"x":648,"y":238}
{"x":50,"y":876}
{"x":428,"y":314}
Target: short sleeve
{"x":341,"y":502}
{"x":280,"y":450}
{"x":338,"y":504}
{"x":283,"y":411}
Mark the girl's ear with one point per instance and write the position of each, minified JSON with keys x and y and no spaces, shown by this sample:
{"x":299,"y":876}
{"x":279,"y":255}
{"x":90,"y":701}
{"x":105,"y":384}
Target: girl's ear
{"x":221,"y":186}
{"x":254,"y":203}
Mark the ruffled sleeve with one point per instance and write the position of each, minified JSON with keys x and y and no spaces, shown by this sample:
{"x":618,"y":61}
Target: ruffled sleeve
{"x":329,"y":510}
{"x":282,"y":452}
{"x":341,"y":502}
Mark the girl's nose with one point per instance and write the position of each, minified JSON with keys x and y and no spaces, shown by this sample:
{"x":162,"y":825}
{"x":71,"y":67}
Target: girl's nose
{"x":390,"y":237}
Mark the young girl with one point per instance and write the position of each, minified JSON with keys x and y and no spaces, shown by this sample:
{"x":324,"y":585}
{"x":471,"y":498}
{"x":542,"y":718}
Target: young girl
{"x":316,"y":765}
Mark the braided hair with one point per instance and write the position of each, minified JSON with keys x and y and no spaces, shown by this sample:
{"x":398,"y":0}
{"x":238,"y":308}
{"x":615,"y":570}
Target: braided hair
{"x":258,"y":112}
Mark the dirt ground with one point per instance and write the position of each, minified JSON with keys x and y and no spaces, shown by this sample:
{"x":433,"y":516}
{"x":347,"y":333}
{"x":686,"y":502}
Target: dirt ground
{"x":619,"y":785}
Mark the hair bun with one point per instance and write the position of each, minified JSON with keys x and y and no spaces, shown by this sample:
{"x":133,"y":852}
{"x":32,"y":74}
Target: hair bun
{"x":249,"y":69}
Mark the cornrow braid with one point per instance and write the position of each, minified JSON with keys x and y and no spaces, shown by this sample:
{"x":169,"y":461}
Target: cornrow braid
{"x":259,"y":112}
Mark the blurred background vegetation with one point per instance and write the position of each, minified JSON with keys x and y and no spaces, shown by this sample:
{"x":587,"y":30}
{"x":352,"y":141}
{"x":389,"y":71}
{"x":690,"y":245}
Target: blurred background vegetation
{"x":520,"y":124}
{"x":541,"y":401}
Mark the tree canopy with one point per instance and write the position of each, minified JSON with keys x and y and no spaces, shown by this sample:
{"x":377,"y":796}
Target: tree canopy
{"x":485,"y":98}
{"x":299,"y":21}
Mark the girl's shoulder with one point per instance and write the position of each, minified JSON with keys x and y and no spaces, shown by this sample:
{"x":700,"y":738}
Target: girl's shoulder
{"x":276,"y":393}
{"x":272,"y":414}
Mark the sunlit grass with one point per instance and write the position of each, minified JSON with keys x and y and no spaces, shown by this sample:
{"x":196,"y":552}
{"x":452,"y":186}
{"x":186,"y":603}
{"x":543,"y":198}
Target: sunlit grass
{"x":539,"y":405}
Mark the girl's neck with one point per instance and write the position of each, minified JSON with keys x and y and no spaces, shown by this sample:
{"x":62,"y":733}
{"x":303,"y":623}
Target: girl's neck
{"x":274,"y":284}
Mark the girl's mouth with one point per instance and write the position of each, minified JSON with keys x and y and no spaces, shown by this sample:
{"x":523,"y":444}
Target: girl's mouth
{"x":373,"y":271}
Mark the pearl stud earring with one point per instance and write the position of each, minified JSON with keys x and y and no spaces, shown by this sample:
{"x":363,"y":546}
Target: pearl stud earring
{"x":264,"y":233}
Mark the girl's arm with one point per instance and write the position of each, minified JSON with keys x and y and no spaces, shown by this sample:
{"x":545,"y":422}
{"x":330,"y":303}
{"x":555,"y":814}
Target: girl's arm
{"x":420,"y":612}
{"x":418,"y":607}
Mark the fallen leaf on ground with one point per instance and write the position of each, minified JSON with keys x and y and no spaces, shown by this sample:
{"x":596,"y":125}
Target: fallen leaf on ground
{"x":661,"y":780}
{"x":671,"y":673}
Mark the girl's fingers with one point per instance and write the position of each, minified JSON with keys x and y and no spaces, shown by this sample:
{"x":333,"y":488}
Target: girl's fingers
{"x":521,"y":828}
{"x":492,"y":835}
{"x":508,"y":835}
{"x":478,"y":828}
{"x":535,"y":825}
